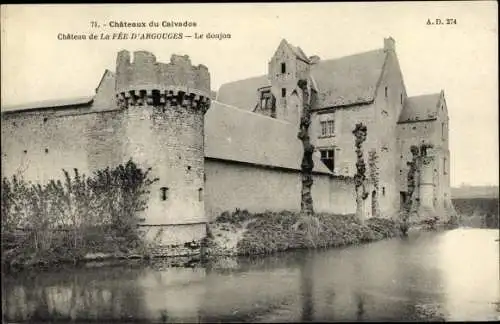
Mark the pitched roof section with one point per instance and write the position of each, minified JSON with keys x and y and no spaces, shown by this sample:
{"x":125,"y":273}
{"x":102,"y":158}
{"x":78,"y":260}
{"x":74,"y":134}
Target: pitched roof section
{"x":420,"y":108}
{"x":239,"y":135}
{"x":344,"y":81}
{"x":299,"y":53}
{"x":349,"y":80}
{"x":242,"y":93}
{"x":45,"y":104}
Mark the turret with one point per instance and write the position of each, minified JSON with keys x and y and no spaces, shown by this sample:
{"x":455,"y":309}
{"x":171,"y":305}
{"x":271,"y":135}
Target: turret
{"x":164,"y":106}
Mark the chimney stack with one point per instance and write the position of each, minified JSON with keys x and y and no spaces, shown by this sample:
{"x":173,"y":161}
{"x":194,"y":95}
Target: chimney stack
{"x":389,"y":44}
{"x":314,"y":59}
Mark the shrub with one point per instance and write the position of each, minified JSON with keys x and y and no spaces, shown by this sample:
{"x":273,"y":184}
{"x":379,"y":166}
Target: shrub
{"x":63,"y":220}
{"x":274,"y":232}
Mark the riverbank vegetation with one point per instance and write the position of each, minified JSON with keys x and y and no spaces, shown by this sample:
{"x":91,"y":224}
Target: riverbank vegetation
{"x":478,"y":212}
{"x":243,"y":233}
{"x":63,"y":221}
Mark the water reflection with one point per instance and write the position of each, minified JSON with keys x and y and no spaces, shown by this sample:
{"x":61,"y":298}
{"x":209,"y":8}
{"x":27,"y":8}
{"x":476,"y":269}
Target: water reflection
{"x":429,"y":276}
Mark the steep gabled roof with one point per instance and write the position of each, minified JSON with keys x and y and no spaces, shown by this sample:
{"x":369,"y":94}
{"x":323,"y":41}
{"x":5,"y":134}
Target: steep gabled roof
{"x":349,"y":80}
{"x":106,"y":73}
{"x":344,"y":81}
{"x":242,"y":136}
{"x":299,"y":53}
{"x":242,"y":93}
{"x":420,"y":108}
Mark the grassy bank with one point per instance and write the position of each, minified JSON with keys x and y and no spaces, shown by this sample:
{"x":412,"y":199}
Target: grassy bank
{"x":242,"y":233}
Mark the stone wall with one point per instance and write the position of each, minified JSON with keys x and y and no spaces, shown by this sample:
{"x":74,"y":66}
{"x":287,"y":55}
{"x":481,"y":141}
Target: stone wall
{"x":345,"y":119}
{"x":232,"y":185}
{"x":38,"y":145}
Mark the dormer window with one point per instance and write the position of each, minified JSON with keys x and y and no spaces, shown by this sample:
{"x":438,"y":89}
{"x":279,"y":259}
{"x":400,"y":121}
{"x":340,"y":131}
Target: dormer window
{"x":283,"y":68}
{"x":265,"y":97}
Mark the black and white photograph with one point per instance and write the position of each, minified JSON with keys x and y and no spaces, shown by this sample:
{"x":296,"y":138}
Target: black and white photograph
{"x":250,"y":162}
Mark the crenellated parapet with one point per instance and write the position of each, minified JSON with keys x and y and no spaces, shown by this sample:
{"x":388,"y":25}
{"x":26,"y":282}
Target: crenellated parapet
{"x":165,"y":97}
{"x":148,"y":82}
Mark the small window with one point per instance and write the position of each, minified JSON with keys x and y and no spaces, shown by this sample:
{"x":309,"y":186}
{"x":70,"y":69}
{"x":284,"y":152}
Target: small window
{"x":328,"y":158}
{"x":46,"y":150}
{"x":383,"y":191}
{"x":25,"y":151}
{"x":265,"y":99}
{"x":401,"y":98}
{"x":442,"y":130}
{"x":327,"y":128}
{"x":200,"y":194}
{"x":189,"y":168}
{"x":386,"y":92}
{"x":45,"y":119}
{"x":444,"y":166}
{"x":283,"y":92}
{"x":283,"y":68}
{"x":164,"y":193}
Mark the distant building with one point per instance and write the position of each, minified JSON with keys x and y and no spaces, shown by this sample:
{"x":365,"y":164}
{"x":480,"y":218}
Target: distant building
{"x":241,"y":149}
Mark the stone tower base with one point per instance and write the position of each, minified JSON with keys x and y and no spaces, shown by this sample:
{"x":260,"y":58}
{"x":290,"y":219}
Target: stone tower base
{"x":174,"y":240}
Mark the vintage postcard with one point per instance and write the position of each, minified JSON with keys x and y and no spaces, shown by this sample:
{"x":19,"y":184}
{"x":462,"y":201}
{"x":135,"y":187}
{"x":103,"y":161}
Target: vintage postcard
{"x":255,"y":162}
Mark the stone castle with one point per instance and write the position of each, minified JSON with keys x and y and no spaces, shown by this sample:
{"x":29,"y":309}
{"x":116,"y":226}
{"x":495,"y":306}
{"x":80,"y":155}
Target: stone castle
{"x":238,"y":147}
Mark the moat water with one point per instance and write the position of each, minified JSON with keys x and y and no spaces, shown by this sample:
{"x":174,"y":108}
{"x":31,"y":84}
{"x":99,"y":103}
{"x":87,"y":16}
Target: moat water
{"x":449,"y":275}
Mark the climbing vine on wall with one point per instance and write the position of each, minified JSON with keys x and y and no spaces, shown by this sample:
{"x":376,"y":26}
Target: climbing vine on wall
{"x":360,"y":133}
{"x":373,"y":162}
{"x":415,"y":166}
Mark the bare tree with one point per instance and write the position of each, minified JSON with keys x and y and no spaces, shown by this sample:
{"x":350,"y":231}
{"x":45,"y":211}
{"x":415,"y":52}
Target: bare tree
{"x":307,"y":164}
{"x":312,"y":224}
{"x":360,"y":133}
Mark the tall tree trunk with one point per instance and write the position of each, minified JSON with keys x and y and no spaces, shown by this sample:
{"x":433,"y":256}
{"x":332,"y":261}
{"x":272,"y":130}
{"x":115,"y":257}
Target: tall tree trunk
{"x":360,"y":133}
{"x":413,"y":183}
{"x":374,"y":177}
{"x":307,"y":165}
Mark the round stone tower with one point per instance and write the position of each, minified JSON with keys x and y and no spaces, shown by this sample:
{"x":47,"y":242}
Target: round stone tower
{"x":164,"y":105}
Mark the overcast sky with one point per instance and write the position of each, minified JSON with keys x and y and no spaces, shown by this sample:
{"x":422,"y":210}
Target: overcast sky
{"x":459,"y":58}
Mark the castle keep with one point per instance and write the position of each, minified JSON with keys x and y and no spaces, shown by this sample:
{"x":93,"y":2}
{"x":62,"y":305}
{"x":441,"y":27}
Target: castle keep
{"x":239,"y":148}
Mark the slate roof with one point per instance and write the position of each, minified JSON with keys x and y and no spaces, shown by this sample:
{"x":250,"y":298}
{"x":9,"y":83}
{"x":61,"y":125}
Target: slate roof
{"x":344,"y":81}
{"x":243,"y":93}
{"x":299,"y":53}
{"x":348,"y":80}
{"x":46,"y":104}
{"x":240,"y":135}
{"x":420,"y":108}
